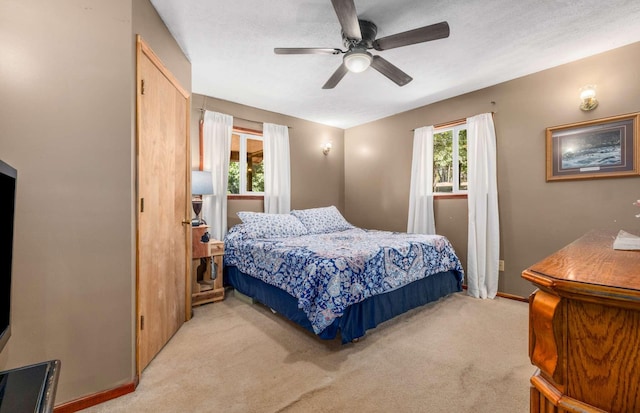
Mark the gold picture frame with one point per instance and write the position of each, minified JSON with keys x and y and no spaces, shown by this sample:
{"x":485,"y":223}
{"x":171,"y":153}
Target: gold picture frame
{"x":600,"y":148}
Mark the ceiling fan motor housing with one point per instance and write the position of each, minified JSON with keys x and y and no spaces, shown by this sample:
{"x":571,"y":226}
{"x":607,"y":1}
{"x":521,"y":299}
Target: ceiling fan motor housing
{"x":368,"y":31}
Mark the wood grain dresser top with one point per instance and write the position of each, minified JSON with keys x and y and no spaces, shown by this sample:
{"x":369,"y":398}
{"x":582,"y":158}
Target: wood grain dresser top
{"x":590,"y":263}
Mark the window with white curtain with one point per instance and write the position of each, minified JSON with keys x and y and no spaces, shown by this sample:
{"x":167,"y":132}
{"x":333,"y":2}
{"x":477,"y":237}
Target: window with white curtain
{"x":450,"y":160}
{"x":246,"y":167}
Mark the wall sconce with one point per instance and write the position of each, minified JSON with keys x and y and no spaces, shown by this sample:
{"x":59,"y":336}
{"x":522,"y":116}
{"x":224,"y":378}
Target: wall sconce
{"x":326,"y":148}
{"x":588,"y":98}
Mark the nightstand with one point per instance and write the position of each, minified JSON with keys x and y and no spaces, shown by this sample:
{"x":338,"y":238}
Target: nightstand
{"x":205,"y":255}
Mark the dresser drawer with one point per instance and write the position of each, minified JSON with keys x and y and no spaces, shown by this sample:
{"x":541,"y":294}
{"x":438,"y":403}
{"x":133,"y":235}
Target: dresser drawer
{"x":207,"y":249}
{"x":216,"y":247}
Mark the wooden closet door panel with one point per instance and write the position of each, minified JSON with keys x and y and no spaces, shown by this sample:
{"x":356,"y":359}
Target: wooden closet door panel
{"x":163,"y":267}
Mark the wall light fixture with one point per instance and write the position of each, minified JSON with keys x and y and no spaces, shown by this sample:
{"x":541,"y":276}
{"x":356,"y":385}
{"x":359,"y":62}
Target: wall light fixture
{"x":326,"y":148}
{"x":588,"y":98}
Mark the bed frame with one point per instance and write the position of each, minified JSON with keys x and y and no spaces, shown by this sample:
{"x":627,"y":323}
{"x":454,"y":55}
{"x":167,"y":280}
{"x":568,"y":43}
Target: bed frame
{"x":358,"y":318}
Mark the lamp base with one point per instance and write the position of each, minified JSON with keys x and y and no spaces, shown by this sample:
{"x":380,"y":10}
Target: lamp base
{"x":197,"y":221}
{"x":196,"y":202}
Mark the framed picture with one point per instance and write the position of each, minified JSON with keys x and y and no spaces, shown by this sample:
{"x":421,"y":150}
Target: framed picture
{"x":601,"y":148}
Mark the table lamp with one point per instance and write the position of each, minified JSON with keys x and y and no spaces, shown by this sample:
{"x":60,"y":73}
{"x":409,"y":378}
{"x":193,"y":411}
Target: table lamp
{"x":201,"y":184}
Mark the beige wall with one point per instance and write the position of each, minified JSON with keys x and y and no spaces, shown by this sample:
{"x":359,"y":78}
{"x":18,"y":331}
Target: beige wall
{"x":148,"y":24}
{"x":67,"y":125}
{"x":536,"y":217}
{"x":316,"y":179}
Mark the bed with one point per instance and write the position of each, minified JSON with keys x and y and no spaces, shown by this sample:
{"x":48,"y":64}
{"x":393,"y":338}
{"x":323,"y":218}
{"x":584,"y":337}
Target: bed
{"x":332,"y":278}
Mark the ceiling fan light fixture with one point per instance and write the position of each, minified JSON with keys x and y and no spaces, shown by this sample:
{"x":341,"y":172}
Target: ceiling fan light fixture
{"x":357,"y":60}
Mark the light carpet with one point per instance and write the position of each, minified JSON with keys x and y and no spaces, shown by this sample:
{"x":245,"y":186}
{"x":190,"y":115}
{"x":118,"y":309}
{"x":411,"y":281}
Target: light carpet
{"x":458,"y":354}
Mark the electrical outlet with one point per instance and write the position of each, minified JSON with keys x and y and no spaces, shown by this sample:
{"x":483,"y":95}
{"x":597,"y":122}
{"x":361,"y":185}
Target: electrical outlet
{"x":501,"y":265}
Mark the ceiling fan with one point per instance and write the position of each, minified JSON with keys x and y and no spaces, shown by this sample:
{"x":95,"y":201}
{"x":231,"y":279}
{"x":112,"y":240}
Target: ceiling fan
{"x":359,"y":36}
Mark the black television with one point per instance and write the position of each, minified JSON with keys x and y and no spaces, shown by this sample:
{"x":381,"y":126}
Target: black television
{"x":8,"y":177}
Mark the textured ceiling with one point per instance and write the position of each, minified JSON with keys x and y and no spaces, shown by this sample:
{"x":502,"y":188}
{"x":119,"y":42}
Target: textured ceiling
{"x":230,"y":46}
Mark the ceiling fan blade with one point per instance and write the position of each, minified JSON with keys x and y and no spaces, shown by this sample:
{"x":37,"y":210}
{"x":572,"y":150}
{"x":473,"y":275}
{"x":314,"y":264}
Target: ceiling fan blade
{"x":420,"y":35}
{"x":336,"y":77}
{"x":390,"y":71}
{"x":305,"y":50}
{"x":346,"y":12}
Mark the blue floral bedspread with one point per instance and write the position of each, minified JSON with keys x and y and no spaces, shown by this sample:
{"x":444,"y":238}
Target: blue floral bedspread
{"x":329,"y":272}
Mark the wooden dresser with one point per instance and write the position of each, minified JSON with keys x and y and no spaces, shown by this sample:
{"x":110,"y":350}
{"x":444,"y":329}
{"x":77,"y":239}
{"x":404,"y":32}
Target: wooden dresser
{"x":584,"y":328}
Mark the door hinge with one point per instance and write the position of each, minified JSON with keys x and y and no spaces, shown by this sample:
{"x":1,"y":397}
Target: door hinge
{"x":142,"y":86}
{"x":141,"y":322}
{"x":141,"y":204}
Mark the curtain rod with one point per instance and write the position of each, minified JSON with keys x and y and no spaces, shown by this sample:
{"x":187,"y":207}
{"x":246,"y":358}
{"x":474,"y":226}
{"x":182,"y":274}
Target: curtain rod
{"x":204,"y":104}
{"x":450,"y":123}
{"x":202,"y":110}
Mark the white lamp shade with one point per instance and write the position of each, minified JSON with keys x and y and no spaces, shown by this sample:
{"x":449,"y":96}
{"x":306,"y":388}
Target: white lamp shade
{"x":587,"y":92}
{"x":201,"y":183}
{"x":357,"y":60}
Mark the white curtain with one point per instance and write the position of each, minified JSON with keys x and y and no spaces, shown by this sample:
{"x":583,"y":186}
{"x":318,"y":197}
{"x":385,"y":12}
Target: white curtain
{"x":216,"y":150}
{"x":277,"y":173}
{"x":421,"y":218}
{"x":484,"y":236}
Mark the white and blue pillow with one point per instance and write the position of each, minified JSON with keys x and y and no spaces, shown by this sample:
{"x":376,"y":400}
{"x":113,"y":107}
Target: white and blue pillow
{"x":322,"y":220}
{"x":262,"y":225}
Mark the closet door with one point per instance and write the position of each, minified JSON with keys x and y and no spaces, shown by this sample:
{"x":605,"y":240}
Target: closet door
{"x":163,"y":230}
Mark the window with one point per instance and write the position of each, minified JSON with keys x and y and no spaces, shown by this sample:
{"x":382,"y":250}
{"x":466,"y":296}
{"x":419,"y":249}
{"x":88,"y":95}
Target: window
{"x":246,"y":170}
{"x":450,"y":160}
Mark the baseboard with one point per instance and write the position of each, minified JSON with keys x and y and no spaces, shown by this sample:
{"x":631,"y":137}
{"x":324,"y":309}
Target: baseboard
{"x":512,"y":297}
{"x":94,"y":399}
{"x":506,"y":295}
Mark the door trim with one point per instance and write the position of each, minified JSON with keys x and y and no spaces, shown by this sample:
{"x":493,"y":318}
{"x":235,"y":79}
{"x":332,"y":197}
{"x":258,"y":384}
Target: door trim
{"x":142,"y":48}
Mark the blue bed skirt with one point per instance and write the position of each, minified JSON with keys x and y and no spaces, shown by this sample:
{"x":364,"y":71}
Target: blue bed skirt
{"x":358,"y":318}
